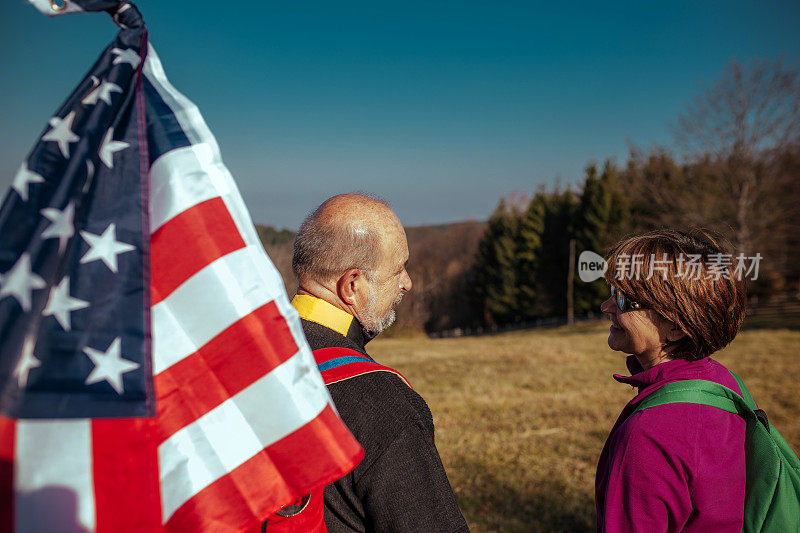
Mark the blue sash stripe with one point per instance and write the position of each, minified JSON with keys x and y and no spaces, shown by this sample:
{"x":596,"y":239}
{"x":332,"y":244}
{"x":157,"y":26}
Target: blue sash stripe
{"x":339,"y":361}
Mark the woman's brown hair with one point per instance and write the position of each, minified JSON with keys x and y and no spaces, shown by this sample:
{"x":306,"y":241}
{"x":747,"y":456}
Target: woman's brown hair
{"x":688,"y":278}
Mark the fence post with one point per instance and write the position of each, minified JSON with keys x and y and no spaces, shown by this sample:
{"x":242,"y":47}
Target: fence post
{"x":570,"y":276}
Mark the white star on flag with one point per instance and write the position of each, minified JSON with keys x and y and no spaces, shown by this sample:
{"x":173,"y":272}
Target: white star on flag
{"x":105,"y":247}
{"x":103,"y":92}
{"x":109,"y":147}
{"x":109,"y":366}
{"x":61,"y":224}
{"x":23,"y":178}
{"x":60,"y":304}
{"x":126,"y":56}
{"x":27,"y":362}
{"x":20,"y":282}
{"x":62,"y":133}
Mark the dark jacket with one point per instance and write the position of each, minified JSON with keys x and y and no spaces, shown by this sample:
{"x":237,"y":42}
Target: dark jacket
{"x":401,"y":484}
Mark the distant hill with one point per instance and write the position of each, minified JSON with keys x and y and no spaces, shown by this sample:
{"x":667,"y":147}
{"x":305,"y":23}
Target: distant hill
{"x":274,"y":237}
{"x":440,"y":260}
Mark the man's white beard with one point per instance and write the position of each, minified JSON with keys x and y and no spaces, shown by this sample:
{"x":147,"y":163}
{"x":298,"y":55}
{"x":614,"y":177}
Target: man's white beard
{"x":375,"y":325}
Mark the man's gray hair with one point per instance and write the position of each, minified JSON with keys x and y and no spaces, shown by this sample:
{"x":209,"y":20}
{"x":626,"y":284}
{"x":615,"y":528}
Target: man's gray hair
{"x":324,"y":250}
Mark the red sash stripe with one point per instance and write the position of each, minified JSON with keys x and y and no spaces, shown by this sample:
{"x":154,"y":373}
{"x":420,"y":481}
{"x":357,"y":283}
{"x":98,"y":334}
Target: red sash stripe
{"x":339,"y":364}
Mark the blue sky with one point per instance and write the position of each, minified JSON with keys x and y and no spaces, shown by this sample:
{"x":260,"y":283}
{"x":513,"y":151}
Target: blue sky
{"x":441,"y":107}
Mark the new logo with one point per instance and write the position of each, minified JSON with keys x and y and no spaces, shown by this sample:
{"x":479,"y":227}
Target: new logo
{"x":591,"y":266}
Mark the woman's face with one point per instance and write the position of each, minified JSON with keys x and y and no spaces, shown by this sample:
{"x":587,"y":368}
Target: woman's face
{"x":640,"y":332}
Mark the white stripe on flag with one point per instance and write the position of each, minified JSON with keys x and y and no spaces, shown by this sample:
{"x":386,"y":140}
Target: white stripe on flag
{"x":182,"y":178}
{"x":203,"y":306}
{"x":53,"y":476}
{"x":237,"y":430}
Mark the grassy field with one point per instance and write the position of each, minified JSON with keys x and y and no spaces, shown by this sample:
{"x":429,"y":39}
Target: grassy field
{"x":521,"y":417}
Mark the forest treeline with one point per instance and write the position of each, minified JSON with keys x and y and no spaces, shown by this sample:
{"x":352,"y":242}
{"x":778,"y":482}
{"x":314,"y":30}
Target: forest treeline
{"x":734,"y":169}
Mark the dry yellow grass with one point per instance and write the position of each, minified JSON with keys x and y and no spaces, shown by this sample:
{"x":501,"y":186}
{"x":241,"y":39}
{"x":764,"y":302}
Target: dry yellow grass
{"x":521,"y":417}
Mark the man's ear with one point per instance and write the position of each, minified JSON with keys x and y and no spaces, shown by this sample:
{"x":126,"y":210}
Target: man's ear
{"x":348,"y":284}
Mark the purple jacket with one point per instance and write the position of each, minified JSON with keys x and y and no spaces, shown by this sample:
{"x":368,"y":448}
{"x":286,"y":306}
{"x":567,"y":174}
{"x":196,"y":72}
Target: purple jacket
{"x":676,"y":467}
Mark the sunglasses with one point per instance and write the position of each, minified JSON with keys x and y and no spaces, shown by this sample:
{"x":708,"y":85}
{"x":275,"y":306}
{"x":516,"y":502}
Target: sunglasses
{"x":623,"y":302}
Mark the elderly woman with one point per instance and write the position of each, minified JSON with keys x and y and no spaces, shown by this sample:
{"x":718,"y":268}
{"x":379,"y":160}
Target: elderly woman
{"x":675,"y":300}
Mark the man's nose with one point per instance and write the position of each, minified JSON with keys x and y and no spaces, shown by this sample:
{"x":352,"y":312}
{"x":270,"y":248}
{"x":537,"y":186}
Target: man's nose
{"x":405,"y":281}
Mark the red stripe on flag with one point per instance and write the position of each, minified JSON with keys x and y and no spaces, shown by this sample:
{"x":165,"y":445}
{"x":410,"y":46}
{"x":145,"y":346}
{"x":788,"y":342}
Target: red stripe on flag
{"x":317,"y":454}
{"x":188,"y":242}
{"x":125,"y":472}
{"x":236,"y":358}
{"x":8,"y":435}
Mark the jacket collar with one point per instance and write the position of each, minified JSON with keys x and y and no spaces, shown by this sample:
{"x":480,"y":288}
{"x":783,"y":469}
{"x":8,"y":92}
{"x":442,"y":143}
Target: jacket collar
{"x":675,"y":370}
{"x":319,"y":311}
{"x":648,"y":381}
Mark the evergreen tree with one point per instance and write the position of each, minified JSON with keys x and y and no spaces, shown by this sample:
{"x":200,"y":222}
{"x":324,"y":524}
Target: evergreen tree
{"x":620,"y":223}
{"x":529,"y":257}
{"x":603,"y":218}
{"x":594,"y":217}
{"x":554,"y":264}
{"x":495,"y":285}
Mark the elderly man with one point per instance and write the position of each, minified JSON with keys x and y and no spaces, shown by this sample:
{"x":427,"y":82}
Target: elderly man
{"x":350,"y":260}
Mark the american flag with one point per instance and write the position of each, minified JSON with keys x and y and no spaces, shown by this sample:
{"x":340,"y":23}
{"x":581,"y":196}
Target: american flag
{"x":153,"y":374}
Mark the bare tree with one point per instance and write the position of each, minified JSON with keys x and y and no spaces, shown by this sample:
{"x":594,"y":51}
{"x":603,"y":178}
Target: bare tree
{"x":750,"y":109}
{"x":740,"y":129}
